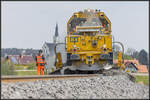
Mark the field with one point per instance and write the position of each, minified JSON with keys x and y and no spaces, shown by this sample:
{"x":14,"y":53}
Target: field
{"x":29,"y":69}
{"x":8,"y":68}
{"x":142,"y":79}
{"x":21,"y":73}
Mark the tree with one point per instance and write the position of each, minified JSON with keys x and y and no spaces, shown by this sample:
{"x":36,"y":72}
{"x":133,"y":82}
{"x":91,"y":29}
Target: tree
{"x":127,"y":57}
{"x":143,"y":57}
{"x":132,"y":52}
{"x":135,"y":54}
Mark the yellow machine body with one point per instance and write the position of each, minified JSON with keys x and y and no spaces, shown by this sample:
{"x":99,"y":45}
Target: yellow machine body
{"x":59,"y":62}
{"x":85,"y":48}
{"x":86,"y":42}
{"x":120,"y":61}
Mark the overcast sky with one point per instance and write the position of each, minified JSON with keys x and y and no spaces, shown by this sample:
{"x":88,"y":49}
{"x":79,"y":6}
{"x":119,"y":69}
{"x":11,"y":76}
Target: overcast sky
{"x":30,"y":24}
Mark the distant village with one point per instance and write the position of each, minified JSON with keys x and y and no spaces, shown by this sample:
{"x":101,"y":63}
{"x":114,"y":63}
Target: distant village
{"x":19,"y":56}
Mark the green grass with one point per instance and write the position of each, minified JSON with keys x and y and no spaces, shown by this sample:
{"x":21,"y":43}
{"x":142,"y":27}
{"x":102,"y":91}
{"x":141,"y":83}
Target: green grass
{"x":31,"y":66}
{"x":144,"y":79}
{"x":7,"y":68}
{"x":21,"y":73}
{"x":19,"y":67}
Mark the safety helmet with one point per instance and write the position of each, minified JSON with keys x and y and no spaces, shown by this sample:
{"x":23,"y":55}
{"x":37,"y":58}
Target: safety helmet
{"x":40,"y":51}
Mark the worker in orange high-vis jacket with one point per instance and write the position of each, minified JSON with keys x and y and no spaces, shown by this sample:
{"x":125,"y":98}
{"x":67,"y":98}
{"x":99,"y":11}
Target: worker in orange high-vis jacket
{"x":40,"y":62}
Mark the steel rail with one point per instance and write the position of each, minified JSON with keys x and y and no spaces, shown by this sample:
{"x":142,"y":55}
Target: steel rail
{"x":44,"y":77}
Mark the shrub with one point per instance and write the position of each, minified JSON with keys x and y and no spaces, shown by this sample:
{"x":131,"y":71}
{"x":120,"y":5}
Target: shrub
{"x":127,"y":57}
{"x":7,"y":68}
{"x":31,"y":66}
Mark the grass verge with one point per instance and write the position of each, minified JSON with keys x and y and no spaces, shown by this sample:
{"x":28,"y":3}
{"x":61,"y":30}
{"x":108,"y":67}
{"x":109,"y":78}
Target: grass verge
{"x":143,"y":79}
{"x":22,"y":73}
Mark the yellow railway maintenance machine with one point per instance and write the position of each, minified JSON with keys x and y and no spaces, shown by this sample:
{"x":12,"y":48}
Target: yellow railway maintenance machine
{"x":89,"y":42}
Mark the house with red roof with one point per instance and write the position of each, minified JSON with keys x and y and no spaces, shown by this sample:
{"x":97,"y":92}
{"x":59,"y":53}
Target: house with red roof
{"x":134,"y":66}
{"x":21,"y":59}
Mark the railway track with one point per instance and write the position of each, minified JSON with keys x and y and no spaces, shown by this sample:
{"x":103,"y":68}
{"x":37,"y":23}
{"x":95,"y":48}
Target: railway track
{"x":45,"y":77}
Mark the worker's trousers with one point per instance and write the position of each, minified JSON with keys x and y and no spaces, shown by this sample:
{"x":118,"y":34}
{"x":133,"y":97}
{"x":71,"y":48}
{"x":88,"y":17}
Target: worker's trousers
{"x":41,"y":69}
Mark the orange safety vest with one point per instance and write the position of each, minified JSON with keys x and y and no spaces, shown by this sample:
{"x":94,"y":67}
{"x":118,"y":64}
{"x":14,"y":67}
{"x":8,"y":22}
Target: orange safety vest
{"x":40,"y":61}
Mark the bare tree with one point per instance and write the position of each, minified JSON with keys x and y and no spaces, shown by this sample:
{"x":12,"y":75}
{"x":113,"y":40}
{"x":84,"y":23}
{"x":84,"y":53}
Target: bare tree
{"x":130,"y":51}
{"x":143,"y":57}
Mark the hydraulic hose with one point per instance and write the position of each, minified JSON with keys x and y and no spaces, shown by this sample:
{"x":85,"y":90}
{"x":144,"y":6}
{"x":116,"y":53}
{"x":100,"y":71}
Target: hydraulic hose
{"x":122,"y":48}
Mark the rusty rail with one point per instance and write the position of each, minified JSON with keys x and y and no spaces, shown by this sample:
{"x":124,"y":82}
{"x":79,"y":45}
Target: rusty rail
{"x":45,"y":77}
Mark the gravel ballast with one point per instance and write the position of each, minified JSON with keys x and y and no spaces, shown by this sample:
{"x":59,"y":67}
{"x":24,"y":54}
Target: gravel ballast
{"x":114,"y":87}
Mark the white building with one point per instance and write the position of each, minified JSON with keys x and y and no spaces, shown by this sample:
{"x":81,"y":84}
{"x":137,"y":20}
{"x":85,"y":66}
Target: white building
{"x":49,"y":51}
{"x":49,"y":54}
